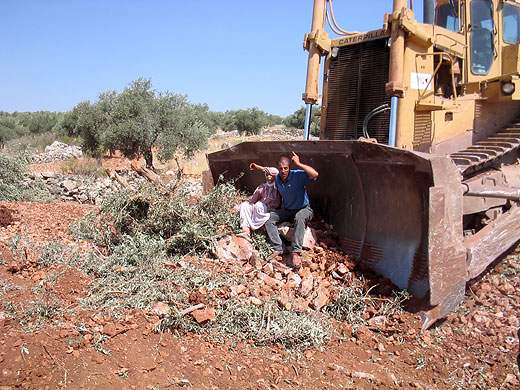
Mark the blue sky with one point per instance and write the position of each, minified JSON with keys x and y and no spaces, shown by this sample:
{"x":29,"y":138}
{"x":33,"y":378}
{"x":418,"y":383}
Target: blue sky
{"x":230,"y":54}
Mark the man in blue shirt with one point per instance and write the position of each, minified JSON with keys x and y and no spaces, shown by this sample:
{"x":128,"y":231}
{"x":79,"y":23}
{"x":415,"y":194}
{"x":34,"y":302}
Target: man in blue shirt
{"x":295,"y":205}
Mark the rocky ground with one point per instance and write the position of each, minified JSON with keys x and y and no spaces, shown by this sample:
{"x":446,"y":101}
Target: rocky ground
{"x":49,"y":339}
{"x":476,"y":347}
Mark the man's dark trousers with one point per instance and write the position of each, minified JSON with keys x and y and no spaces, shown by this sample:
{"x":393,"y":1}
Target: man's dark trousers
{"x":300,"y":218}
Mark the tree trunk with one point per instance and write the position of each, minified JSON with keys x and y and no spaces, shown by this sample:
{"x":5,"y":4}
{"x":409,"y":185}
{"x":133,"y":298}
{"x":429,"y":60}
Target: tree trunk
{"x":148,"y":158}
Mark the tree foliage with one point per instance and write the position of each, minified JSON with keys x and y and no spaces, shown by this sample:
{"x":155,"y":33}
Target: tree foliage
{"x":248,"y":121}
{"x":39,"y":122}
{"x":9,"y":129}
{"x":139,"y":120}
{"x":297,"y":120}
{"x":12,"y":182}
{"x":19,"y":124}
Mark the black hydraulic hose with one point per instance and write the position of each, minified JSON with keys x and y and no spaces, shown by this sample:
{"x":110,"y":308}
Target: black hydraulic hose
{"x":374,"y":112}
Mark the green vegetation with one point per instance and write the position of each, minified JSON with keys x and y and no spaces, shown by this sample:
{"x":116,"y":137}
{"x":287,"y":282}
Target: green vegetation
{"x":144,"y":236}
{"x":184,"y":227}
{"x":352,"y":302}
{"x":139,"y":120}
{"x":12,"y":185}
{"x":28,"y":125}
{"x":264,"y":325}
{"x":297,"y":120}
{"x":248,"y":121}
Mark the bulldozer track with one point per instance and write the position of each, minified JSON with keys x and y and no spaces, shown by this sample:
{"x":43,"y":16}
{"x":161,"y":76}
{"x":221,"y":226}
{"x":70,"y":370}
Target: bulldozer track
{"x":488,"y":151}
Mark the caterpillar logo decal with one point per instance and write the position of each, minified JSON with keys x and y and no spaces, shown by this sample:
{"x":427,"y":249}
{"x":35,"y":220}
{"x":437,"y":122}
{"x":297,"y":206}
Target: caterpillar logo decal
{"x":368,"y":36}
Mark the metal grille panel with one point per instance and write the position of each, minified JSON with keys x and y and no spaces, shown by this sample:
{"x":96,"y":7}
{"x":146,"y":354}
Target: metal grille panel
{"x":422,"y":135}
{"x":356,"y":85}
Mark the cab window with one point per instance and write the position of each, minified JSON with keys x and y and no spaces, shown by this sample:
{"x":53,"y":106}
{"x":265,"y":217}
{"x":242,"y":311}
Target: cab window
{"x":482,"y":36}
{"x":447,"y":14}
{"x":511,"y":23}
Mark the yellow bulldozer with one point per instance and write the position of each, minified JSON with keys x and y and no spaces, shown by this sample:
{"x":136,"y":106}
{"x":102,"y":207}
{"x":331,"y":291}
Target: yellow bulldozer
{"x":419,"y":141}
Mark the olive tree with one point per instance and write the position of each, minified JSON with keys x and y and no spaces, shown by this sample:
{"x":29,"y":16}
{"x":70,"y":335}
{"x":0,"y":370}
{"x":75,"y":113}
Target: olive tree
{"x":90,"y":124}
{"x":246,"y":121}
{"x":139,"y":121}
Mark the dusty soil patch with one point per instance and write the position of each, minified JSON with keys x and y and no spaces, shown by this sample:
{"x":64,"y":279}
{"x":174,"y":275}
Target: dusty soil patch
{"x":116,"y":162}
{"x":41,"y":221}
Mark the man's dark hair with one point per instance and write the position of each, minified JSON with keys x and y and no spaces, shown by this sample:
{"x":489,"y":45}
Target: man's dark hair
{"x":285,"y":159}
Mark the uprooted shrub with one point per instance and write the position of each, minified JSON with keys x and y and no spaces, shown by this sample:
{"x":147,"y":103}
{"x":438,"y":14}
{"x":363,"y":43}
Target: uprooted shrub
{"x":187,"y":227}
{"x":264,"y":325}
{"x":352,"y":302}
{"x":12,"y":186}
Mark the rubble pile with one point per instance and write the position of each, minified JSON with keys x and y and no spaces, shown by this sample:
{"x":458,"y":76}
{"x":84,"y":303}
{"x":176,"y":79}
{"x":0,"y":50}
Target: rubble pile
{"x":83,"y":189}
{"x":92,"y":189}
{"x":311,"y":287}
{"x":58,"y":151}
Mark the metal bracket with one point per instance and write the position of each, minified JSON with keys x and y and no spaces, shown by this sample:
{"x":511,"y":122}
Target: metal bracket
{"x":320,"y":39}
{"x":407,"y":23}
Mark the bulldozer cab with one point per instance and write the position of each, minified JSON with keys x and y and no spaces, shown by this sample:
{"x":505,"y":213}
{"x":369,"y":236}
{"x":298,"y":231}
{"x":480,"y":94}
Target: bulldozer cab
{"x":448,"y":14}
{"x":432,"y":199}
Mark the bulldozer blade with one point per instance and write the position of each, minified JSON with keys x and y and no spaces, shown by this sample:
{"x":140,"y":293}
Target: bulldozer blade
{"x":396,"y":211}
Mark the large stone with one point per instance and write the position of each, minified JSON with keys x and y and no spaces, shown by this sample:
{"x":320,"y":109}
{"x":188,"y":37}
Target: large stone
{"x":255,"y":261}
{"x":268,"y":269}
{"x":341,"y":269}
{"x":203,"y":315}
{"x":69,"y":185}
{"x":294,"y":280}
{"x":58,"y":151}
{"x":161,"y":309}
{"x":234,"y":248}
{"x":306,"y":285}
{"x":269,"y":281}
{"x":282,"y":268}
{"x":237,"y":290}
{"x":309,"y":239}
{"x":322,"y":298}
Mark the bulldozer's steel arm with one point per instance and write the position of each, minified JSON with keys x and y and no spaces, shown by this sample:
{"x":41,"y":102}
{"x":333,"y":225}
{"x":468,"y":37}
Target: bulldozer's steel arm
{"x":498,"y":193}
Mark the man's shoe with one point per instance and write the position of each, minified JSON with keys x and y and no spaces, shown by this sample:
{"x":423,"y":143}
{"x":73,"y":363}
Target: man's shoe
{"x":295,"y":261}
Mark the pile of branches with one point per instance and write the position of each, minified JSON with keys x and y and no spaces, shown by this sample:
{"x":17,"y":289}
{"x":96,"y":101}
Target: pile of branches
{"x":12,"y":182}
{"x":187,"y":226}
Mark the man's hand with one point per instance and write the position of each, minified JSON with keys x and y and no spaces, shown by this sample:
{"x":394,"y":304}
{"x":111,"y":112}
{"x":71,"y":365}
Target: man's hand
{"x":310,"y":171}
{"x":254,"y":166}
{"x":295,"y":159}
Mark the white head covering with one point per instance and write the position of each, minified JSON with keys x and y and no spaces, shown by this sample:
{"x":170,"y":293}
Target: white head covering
{"x":271,"y":171}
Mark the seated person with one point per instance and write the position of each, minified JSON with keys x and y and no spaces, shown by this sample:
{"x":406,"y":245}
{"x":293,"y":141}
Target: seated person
{"x":295,"y":205}
{"x":255,"y":211}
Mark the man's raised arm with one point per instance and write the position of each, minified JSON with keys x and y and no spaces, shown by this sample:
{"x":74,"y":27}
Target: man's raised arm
{"x":310,"y":171}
